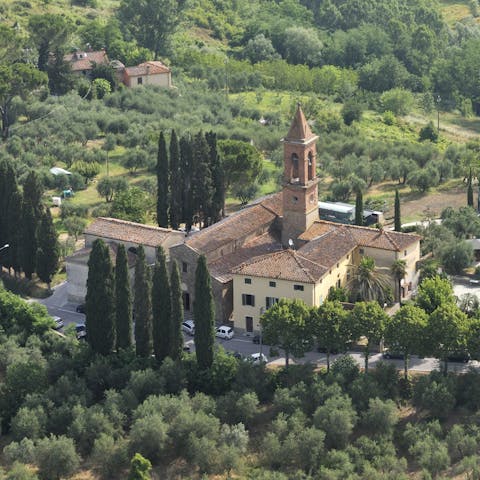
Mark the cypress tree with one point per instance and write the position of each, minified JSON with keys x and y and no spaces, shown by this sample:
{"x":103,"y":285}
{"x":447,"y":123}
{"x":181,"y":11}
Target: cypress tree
{"x":29,"y":240}
{"x":162,"y":182}
{"x":33,"y":192}
{"x":123,"y":300}
{"x":398,"y":220}
{"x":48,"y":252}
{"x":186,"y":167}
{"x":176,"y":317}
{"x":359,"y":208}
{"x":142,"y":306}
{"x":175,"y":182}
{"x":470,"y":192}
{"x":202,"y":185}
{"x":15,"y":237}
{"x":100,"y":299}
{"x":204,"y":315}
{"x":218,"y":179}
{"x":8,"y":225}
{"x":161,"y":307}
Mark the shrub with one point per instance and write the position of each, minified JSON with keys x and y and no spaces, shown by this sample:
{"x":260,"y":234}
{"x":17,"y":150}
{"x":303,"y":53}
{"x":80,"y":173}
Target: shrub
{"x":56,"y":457}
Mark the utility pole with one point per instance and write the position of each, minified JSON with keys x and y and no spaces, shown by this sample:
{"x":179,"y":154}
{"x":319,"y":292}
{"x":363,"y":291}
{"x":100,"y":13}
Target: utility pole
{"x":438,"y":99}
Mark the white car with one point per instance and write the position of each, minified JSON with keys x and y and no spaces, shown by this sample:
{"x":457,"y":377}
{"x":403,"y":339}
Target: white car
{"x":188,"y":326}
{"x":58,"y":323}
{"x":224,"y":332}
{"x":257,"y":358}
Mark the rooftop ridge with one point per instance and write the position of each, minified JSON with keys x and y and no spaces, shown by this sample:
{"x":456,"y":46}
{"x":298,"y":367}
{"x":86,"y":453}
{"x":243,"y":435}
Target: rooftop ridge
{"x":135,"y":224}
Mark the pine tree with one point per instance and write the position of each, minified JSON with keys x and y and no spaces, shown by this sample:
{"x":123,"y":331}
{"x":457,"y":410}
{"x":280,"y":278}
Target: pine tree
{"x":359,"y":208}
{"x":218,"y":179}
{"x":186,"y":167}
{"x":48,"y":252}
{"x":470,"y":192}
{"x":176,"y":317}
{"x":202,"y":185}
{"x":162,"y":182}
{"x":175,"y":183}
{"x":204,"y":315}
{"x":142,"y":306}
{"x":100,"y":299}
{"x":398,"y":220}
{"x":29,"y":240}
{"x":123,"y":300}
{"x":161,"y":307}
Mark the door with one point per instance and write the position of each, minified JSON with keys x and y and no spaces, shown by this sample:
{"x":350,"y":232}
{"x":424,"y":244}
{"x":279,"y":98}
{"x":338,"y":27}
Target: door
{"x":249,"y":324}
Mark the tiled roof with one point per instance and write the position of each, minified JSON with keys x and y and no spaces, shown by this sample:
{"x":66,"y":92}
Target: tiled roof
{"x":82,"y":255}
{"x":221,"y":268}
{"x":364,"y":236}
{"x":273,"y":202}
{"x":123,"y":231}
{"x":330,"y":247}
{"x":299,"y":129}
{"x":147,"y":68}
{"x":286,"y":265}
{"x":85,"y":60}
{"x":236,"y":226}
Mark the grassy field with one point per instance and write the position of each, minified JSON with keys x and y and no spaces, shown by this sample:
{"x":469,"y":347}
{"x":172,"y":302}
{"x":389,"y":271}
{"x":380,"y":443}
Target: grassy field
{"x":454,"y":11}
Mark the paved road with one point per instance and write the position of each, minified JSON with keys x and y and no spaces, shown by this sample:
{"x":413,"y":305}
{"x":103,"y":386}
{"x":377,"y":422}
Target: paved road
{"x":58,"y":305}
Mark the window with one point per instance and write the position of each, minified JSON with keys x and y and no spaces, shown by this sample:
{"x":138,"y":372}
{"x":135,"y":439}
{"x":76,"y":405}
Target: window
{"x":248,"y":299}
{"x":272,"y":284}
{"x":295,"y":199}
{"x":362,"y":251}
{"x":294,"y":165}
{"x":338,"y":265}
{"x":248,"y":281}
{"x":348,"y":274}
{"x":405,"y":253}
{"x":311,"y":173}
{"x":270,"y":302}
{"x":339,"y":284}
{"x":298,"y":287}
{"x":139,"y":80}
{"x":184,"y":267}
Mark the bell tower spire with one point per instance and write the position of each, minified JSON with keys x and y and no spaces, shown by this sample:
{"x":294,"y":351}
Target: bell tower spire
{"x":300,"y":182}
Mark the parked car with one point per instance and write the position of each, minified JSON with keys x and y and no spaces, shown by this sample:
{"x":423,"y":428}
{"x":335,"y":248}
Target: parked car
{"x":80,"y":308}
{"x":462,"y":357}
{"x":188,"y":326}
{"x":224,"y":332}
{"x":390,"y":353}
{"x":257,"y":358}
{"x":256,"y":339}
{"x":81,"y":331}
{"x":58,"y":323}
{"x":186,"y":347}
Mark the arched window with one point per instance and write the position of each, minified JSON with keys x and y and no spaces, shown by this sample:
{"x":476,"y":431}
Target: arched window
{"x":295,"y":174}
{"x":311,"y":173}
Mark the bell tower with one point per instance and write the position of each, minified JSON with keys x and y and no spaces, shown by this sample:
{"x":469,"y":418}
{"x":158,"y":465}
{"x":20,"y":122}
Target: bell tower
{"x":300,"y":182}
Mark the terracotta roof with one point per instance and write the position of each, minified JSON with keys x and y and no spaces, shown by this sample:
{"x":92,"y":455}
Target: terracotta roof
{"x":364,"y":236}
{"x":82,"y":255}
{"x":286,"y":265}
{"x":299,"y":129}
{"x":86,"y":60}
{"x":236,"y":226}
{"x":330,"y":247}
{"x":273,"y":202}
{"x":123,"y":231}
{"x":147,"y":68}
{"x":221,"y":268}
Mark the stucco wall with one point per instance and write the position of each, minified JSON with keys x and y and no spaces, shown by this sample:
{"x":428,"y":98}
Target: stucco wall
{"x":159,"y":79}
{"x":76,"y":281}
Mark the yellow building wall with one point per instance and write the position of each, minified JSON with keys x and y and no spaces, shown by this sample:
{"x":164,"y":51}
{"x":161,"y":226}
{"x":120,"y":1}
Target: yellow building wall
{"x":312,"y":294}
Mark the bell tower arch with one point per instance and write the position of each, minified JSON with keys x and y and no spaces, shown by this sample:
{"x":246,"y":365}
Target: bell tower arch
{"x":300,"y":182}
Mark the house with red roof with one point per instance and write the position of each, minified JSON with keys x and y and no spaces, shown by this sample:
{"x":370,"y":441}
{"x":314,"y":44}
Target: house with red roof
{"x":148,"y":73}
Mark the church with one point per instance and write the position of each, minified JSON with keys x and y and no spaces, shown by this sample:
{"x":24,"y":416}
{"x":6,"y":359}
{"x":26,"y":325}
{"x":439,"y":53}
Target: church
{"x":276,"y":247}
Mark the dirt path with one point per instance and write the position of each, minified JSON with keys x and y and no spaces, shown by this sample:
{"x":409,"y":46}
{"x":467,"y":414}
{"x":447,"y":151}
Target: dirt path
{"x":451,"y":130}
